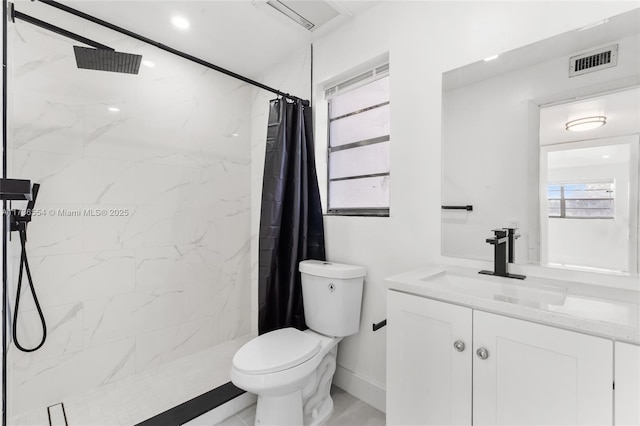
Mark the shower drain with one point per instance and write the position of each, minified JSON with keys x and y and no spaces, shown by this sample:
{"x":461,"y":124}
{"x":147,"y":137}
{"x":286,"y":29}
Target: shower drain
{"x":57,"y":415}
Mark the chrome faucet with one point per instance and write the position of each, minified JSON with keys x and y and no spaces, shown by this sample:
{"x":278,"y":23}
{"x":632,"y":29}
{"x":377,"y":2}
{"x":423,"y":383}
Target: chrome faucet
{"x":503,"y":242}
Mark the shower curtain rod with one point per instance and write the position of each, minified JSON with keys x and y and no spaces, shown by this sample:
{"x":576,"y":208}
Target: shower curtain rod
{"x":166,"y":48}
{"x":42,"y":24}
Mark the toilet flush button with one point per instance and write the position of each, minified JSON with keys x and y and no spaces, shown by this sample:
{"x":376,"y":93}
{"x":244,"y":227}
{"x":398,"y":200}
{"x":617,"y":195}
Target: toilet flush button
{"x":332,"y":287}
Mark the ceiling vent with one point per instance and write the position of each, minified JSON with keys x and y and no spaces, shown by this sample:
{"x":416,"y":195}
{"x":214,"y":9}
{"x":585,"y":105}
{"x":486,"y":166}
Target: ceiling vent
{"x":309,"y":14}
{"x":594,"y":60}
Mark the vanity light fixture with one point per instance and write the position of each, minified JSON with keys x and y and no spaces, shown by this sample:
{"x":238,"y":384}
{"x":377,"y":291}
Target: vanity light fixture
{"x":491,"y":58}
{"x":180,"y":22}
{"x":586,"y":123}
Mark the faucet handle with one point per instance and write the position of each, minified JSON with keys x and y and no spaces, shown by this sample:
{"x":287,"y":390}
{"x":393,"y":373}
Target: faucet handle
{"x":499,"y":237}
{"x":512,"y":232}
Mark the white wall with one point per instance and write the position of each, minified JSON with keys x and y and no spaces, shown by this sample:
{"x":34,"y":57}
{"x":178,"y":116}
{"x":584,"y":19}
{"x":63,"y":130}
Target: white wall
{"x":423,"y":40}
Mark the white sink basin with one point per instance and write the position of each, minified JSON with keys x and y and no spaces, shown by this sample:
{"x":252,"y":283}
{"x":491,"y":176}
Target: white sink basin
{"x":498,"y":288}
{"x":586,"y":307}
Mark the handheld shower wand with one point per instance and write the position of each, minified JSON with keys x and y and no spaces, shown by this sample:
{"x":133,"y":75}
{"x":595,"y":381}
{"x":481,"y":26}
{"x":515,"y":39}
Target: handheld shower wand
{"x":19,"y":223}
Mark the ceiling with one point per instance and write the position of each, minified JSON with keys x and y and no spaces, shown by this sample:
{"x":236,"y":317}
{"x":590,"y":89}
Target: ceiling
{"x":622,"y":110}
{"x":562,"y":45}
{"x":243,"y":36}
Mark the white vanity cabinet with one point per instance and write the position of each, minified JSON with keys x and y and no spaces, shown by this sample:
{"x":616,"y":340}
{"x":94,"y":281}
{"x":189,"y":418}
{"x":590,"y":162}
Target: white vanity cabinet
{"x":428,"y":379}
{"x":539,"y":375}
{"x":507,"y":371}
{"x":627,"y":376}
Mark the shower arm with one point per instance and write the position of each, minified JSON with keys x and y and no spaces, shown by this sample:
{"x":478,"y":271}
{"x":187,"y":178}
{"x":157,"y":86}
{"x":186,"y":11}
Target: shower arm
{"x":169,"y":49}
{"x":42,"y":24}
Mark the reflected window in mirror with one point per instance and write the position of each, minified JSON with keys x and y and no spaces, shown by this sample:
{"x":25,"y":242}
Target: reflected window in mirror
{"x":579,"y":200}
{"x":589,"y":186}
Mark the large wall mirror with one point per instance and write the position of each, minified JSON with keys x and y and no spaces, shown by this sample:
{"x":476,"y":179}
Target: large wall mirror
{"x":515,"y":150}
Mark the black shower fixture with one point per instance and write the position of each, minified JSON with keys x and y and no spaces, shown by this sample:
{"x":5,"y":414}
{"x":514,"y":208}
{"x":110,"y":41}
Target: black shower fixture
{"x":97,"y":57}
{"x":107,"y":60}
{"x":15,"y":189}
{"x":21,"y":189}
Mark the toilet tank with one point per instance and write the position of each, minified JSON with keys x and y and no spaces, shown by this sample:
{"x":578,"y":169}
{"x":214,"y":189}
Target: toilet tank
{"x":332,"y":295}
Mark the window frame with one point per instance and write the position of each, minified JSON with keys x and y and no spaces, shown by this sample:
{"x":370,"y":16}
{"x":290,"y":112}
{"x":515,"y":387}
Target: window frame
{"x":374,"y":74}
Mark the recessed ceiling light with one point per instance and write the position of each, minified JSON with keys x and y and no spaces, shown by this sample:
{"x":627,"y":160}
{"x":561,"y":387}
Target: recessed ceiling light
{"x":606,"y":156}
{"x":235,"y":135}
{"x":148,"y":64}
{"x":586,"y":123}
{"x":180,"y":22}
{"x":491,"y":58}
{"x":113,"y":109}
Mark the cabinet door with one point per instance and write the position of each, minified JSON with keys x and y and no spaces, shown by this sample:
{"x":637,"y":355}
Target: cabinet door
{"x":539,"y":375}
{"x":627,"y":374}
{"x":428,"y":380}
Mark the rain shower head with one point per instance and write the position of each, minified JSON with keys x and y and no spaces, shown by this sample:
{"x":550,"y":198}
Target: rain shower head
{"x":97,"y":57}
{"x":107,"y":60}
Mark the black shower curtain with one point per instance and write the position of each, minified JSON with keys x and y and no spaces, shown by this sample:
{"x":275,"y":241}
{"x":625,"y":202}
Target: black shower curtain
{"x":291,"y":228}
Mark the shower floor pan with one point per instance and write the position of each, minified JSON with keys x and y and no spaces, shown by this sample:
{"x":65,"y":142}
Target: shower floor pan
{"x":145,"y":395}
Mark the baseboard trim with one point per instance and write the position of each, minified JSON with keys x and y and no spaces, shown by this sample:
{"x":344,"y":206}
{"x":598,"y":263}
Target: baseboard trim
{"x":361,"y":388}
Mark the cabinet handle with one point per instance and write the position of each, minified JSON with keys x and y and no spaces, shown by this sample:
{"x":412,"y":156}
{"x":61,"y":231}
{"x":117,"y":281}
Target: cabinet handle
{"x":458,"y":345}
{"x":482,"y":353}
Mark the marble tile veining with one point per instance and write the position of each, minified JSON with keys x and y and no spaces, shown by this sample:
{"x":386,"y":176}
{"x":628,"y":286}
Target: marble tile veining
{"x":140,"y":248}
{"x":143,"y":395}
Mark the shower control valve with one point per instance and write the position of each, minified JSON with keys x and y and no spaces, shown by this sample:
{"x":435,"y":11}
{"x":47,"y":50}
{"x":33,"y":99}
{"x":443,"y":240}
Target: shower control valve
{"x":17,"y":220}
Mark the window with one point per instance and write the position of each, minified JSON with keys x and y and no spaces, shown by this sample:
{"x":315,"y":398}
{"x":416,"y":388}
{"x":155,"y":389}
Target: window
{"x":593,"y":200}
{"x":358,"y":148}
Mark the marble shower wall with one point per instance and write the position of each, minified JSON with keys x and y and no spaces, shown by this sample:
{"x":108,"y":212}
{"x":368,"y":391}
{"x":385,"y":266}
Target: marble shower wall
{"x":140,"y":247}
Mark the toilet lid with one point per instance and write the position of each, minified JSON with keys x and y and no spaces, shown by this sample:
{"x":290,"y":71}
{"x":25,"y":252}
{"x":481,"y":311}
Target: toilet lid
{"x":276,"y":351}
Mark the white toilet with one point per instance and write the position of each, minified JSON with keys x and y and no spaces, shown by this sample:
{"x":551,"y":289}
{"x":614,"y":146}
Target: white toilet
{"x":291,"y":370}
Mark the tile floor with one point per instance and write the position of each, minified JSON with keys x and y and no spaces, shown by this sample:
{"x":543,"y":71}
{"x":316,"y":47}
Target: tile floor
{"x":137,"y":398}
{"x":347,"y":411}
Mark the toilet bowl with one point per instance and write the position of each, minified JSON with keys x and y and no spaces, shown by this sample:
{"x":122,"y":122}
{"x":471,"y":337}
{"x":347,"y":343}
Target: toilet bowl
{"x":291,"y":370}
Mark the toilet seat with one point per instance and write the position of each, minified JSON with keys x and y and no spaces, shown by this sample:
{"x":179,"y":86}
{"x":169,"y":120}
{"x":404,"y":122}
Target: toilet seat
{"x":276,"y":351}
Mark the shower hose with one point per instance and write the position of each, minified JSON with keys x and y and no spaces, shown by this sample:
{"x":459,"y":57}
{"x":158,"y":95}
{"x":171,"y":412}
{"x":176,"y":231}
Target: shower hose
{"x":24,"y":266}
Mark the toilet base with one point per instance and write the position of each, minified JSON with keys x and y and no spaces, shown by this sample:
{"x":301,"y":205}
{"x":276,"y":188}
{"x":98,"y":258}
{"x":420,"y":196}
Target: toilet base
{"x":317,"y":401}
{"x":277,"y":411}
{"x":322,"y":415}
{"x":282,"y":410}
{"x":310,"y":405}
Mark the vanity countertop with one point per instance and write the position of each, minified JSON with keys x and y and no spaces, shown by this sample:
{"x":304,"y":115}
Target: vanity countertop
{"x":602,"y":311}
